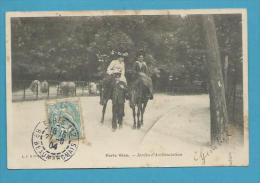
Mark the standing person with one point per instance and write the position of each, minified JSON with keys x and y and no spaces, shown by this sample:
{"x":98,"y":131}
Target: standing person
{"x":141,"y":70}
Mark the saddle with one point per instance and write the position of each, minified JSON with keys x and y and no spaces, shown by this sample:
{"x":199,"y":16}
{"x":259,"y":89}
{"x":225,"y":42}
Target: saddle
{"x":147,"y":81}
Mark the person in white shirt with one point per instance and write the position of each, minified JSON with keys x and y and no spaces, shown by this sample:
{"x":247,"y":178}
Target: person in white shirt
{"x":118,"y":67}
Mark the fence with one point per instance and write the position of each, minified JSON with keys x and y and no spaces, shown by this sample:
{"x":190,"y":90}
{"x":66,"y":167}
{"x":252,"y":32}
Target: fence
{"x":21,"y":90}
{"x":181,"y":89}
{"x":234,"y":100}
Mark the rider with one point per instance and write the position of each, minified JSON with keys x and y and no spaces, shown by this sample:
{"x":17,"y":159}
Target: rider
{"x":140,"y":67}
{"x":117,"y":66}
{"x":115,"y":70}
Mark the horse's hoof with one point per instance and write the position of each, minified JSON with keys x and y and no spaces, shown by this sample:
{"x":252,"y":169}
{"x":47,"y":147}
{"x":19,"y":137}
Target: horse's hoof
{"x":113,"y":129}
{"x":120,"y":126}
{"x":134,"y":127}
{"x":138,"y":126}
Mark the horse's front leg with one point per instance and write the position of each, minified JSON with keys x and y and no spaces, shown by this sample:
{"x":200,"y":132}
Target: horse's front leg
{"x":142,"y":112}
{"x":134,"y":126}
{"x":103,"y":112}
{"x":120,"y":121}
{"x":139,"y":108}
{"x":120,"y":115}
{"x":114,"y":117}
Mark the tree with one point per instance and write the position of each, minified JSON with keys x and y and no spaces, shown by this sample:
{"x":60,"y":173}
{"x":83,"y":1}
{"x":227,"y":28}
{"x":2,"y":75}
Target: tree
{"x":218,"y":109}
{"x":79,"y":48}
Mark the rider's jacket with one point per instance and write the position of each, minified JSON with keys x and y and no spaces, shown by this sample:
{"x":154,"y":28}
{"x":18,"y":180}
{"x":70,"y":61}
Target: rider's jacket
{"x":140,"y":67}
{"x":117,"y":67}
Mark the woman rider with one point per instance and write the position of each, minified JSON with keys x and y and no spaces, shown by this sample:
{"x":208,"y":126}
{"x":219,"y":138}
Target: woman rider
{"x":141,"y":69}
{"x":117,"y":66}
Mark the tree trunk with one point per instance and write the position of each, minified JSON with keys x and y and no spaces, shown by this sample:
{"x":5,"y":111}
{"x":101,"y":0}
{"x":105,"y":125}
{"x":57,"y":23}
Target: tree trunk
{"x":218,"y":108}
{"x":226,"y":74}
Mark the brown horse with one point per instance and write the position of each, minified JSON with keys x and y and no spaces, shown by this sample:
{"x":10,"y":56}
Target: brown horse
{"x":139,"y":97}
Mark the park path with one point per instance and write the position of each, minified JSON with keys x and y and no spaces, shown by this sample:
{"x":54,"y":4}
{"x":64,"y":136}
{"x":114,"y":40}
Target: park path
{"x":180,"y":119}
{"x":171,"y":124}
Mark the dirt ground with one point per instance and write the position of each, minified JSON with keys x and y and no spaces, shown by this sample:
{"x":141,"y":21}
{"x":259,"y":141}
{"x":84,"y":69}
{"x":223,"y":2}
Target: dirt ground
{"x":179,"y":124}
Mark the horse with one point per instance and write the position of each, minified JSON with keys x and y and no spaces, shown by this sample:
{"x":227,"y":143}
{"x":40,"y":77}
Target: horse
{"x":35,"y":86}
{"x":104,"y":98}
{"x":93,"y":88}
{"x":66,"y":88}
{"x":44,"y":86}
{"x":106,"y":88}
{"x":139,"y":96}
{"x":118,"y":103}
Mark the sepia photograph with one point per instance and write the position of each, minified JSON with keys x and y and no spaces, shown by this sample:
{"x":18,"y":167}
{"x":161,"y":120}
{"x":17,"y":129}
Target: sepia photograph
{"x":115,"y":89}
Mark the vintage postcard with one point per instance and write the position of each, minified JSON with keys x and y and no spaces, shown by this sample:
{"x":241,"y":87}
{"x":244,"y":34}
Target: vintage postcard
{"x":113,"y":89}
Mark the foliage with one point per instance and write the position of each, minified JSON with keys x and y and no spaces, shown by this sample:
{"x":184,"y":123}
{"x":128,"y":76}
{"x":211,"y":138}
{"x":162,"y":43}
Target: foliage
{"x":79,"y":48}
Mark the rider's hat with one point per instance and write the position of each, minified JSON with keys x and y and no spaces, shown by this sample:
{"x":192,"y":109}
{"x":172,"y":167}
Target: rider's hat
{"x":140,"y":52}
{"x":119,"y":52}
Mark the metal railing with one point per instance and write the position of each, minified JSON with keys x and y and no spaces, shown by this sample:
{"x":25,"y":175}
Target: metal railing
{"x":21,"y":90}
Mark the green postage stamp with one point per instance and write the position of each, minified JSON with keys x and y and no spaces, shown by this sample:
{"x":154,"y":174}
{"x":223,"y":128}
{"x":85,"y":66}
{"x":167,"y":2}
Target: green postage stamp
{"x":61,"y":113}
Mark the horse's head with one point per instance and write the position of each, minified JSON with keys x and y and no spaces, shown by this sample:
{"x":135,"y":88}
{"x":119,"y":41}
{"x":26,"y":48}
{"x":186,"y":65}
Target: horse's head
{"x":119,"y":92}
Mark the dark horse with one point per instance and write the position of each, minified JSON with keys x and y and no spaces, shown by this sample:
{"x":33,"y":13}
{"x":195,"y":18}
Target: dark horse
{"x":105,"y":94}
{"x":118,"y":103}
{"x":139,"y":97}
{"x":117,"y":93}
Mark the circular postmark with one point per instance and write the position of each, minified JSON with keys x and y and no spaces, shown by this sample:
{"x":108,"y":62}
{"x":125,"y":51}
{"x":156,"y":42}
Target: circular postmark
{"x":59,"y":142}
